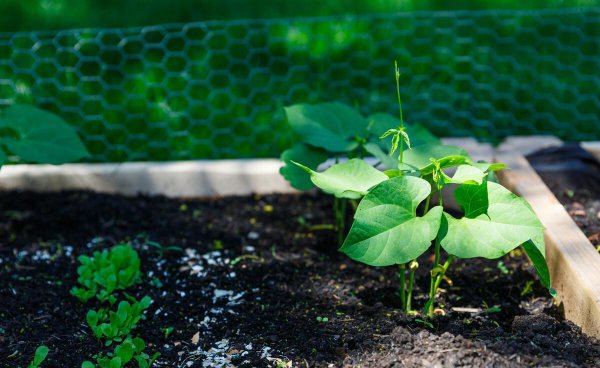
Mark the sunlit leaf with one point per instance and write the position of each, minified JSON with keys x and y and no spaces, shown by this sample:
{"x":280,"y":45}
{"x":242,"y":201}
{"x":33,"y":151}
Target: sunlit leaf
{"x":309,"y":156}
{"x":386,"y":228}
{"x":351,"y":179}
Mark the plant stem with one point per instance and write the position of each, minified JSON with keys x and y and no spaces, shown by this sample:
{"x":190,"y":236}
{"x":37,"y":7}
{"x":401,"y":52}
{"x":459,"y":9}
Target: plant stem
{"x":397,"y":72}
{"x":435,"y":283}
{"x":427,"y":204}
{"x":342,"y":220}
{"x":410,"y":290}
{"x":402,"y":286}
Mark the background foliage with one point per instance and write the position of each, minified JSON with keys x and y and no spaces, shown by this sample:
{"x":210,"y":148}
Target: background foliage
{"x":216,"y":89}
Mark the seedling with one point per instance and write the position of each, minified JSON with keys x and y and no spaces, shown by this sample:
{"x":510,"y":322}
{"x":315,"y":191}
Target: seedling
{"x":130,"y":350}
{"x":395,"y":222}
{"x":112,"y":326}
{"x":334,"y":130}
{"x":167,"y":331}
{"x":161,"y":249}
{"x":40,"y":355}
{"x":107,"y":271}
{"x":322,"y":319}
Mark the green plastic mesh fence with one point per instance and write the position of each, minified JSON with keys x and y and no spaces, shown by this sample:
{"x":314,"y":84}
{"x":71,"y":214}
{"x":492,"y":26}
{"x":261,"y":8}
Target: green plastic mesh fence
{"x":216,"y":89}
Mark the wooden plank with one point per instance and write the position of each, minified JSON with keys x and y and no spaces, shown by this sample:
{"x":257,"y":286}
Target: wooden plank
{"x":593,"y":148}
{"x":574,"y":263}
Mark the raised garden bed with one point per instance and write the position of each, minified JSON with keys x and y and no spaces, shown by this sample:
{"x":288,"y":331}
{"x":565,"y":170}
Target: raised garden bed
{"x":573,"y":261}
{"x":259,"y":282}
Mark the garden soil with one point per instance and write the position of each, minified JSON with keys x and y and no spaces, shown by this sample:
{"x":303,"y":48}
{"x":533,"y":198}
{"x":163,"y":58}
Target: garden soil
{"x":257,"y":281}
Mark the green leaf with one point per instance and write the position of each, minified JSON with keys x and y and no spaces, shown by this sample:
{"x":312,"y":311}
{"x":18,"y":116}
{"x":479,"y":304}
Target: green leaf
{"x":92,"y":318}
{"x":535,"y":250}
{"x":40,"y":355}
{"x":487,"y":167}
{"x":3,"y":157}
{"x":386,"y":229}
{"x":466,"y":174}
{"x":310,"y":156}
{"x":43,"y":137}
{"x":145,"y":302}
{"x":332,"y":125}
{"x":87,"y":364}
{"x":116,"y":363}
{"x":122,"y":311}
{"x":351,"y":179}
{"x":496,"y":221}
{"x":139,"y":344}
{"x":125,"y":351}
{"x":419,"y":158}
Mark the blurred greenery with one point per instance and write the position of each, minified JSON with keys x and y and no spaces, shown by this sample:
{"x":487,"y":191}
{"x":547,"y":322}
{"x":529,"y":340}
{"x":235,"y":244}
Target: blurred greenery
{"x":26,"y":15}
{"x":216,"y":90}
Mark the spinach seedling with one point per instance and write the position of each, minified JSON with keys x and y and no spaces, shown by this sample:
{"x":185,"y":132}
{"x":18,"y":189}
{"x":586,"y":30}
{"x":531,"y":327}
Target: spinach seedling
{"x":130,"y":350}
{"x":38,"y":358}
{"x":113,"y":326}
{"x":107,"y":271}
{"x":395,"y":221}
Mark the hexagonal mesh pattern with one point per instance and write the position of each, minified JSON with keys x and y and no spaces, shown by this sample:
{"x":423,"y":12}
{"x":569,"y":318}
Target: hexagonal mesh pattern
{"x":216,"y":89}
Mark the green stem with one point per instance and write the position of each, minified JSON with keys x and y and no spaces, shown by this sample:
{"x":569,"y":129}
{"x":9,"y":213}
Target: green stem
{"x":427,"y":204}
{"x":402,"y":286}
{"x":397,"y":72}
{"x":435,"y":283}
{"x":342,"y":220}
{"x":410,"y":290}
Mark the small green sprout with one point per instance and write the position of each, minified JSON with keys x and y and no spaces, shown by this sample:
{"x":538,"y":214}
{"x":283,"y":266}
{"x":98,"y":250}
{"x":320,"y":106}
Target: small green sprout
{"x":40,"y":355}
{"x":167,"y":331}
{"x":107,"y":271}
{"x":130,"y":350}
{"x":163,"y":249}
{"x":112,"y":326}
{"x":322,"y":319}
{"x":502,"y":267}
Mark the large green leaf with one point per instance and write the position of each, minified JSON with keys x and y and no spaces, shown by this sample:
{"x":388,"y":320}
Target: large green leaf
{"x":496,"y":221}
{"x":386,"y":229}
{"x":351,"y":179}
{"x":309,"y":156}
{"x":332,"y":125}
{"x":41,"y":136}
{"x":419,"y":158}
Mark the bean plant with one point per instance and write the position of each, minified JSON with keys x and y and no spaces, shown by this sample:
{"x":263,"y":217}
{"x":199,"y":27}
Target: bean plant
{"x":334,"y":130}
{"x":398,"y":219}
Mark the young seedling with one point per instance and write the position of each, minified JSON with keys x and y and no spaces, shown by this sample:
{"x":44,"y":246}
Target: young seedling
{"x":130,"y":350}
{"x":395,"y":223}
{"x":107,"y":271}
{"x":112,"y":326}
{"x":38,"y":358}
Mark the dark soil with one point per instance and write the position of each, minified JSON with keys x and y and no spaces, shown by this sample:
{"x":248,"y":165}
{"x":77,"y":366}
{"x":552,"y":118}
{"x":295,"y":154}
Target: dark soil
{"x":258,"y":285}
{"x":573,"y":175}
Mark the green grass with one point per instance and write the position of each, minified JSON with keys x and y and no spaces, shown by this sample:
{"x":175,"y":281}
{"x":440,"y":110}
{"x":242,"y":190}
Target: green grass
{"x":26,"y":15}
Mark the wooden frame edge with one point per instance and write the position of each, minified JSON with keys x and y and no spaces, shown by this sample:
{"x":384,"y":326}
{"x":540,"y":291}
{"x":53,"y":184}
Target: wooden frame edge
{"x":574,"y":263}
